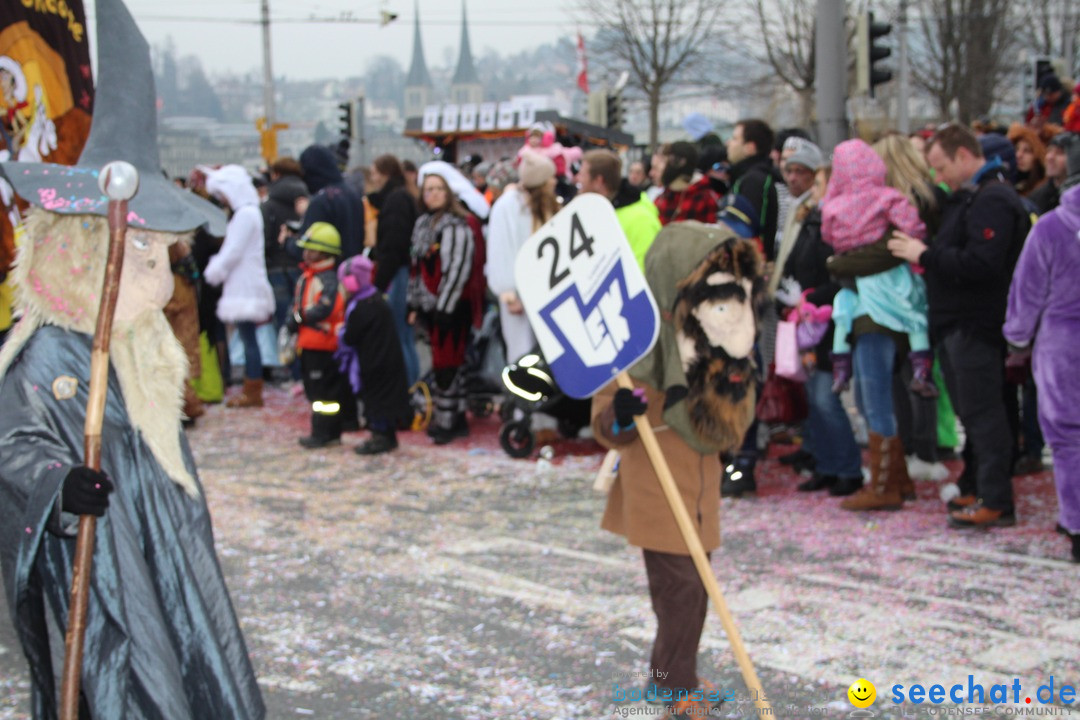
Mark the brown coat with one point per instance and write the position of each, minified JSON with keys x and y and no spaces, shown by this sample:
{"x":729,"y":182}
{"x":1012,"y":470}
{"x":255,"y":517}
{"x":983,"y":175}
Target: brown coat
{"x":636,"y":506}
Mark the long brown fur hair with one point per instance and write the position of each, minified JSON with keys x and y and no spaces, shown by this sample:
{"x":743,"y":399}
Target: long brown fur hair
{"x":720,"y":389}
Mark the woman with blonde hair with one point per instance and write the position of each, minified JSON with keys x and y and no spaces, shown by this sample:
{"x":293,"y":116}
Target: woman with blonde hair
{"x":916,"y":416}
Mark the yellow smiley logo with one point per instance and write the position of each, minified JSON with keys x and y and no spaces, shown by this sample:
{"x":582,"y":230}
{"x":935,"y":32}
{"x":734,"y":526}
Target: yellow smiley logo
{"x":862,"y":693}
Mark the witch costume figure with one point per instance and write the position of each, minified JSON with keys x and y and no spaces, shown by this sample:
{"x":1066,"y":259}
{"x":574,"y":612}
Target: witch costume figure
{"x":697,"y":389}
{"x":162,"y":639}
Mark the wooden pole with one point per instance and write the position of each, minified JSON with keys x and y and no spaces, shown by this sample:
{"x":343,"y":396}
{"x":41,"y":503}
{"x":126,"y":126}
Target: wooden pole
{"x":95,"y":413}
{"x":697,"y":552}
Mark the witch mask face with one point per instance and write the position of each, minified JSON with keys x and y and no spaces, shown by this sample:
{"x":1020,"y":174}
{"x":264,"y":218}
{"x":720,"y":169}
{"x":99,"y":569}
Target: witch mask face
{"x":146,"y":281}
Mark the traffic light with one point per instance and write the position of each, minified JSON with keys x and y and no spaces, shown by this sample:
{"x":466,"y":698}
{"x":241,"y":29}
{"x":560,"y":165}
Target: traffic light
{"x":345,"y":119}
{"x":867,"y":54}
{"x":616,"y":110}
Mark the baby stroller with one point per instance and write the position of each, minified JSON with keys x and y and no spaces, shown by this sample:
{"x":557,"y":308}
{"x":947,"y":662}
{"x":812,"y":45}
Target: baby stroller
{"x":484,"y":357}
{"x":532,"y":389}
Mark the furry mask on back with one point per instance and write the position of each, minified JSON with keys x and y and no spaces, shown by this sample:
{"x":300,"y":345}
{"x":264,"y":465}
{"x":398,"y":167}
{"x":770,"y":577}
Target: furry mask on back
{"x":715,"y":328}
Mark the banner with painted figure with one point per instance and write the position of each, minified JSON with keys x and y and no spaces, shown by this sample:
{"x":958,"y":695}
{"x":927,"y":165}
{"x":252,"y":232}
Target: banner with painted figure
{"x":46,"y":92}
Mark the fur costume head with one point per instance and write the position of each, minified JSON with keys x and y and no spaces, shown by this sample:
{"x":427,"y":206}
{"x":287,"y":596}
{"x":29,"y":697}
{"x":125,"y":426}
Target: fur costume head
{"x":707,"y":282}
{"x":59,"y":274}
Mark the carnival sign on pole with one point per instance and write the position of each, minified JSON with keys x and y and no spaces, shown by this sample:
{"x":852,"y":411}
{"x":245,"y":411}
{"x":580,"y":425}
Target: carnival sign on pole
{"x":585,"y":296}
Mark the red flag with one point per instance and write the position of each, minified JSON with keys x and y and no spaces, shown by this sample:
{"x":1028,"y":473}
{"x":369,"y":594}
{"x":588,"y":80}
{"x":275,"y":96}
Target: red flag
{"x":582,"y":66}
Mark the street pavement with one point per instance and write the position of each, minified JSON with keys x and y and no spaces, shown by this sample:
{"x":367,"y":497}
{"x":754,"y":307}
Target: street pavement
{"x":457,"y":583}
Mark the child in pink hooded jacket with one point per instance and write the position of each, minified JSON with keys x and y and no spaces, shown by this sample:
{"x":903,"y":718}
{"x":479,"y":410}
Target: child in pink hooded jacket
{"x":857,"y":210}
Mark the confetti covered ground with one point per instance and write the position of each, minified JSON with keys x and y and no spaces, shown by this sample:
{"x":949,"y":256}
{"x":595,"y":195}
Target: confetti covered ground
{"x":457,"y":583}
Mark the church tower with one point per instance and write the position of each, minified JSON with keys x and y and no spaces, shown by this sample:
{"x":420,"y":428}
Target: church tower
{"x":418,"y":87}
{"x":465,"y":87}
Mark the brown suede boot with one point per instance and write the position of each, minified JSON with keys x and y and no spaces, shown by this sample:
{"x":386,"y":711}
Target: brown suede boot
{"x":249,"y":396}
{"x":898,"y":465}
{"x":882,"y":492}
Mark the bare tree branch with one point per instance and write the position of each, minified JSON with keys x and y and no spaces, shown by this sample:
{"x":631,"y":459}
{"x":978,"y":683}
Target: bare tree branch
{"x":962,"y":53}
{"x":660,"y":43}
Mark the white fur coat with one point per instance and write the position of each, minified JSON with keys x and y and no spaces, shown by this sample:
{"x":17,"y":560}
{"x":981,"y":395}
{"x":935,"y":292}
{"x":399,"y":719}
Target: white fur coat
{"x":240,"y":265}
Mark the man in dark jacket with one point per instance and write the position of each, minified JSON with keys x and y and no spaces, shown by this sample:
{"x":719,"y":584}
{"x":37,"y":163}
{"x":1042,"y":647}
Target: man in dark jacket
{"x":754,"y":177}
{"x":968,"y":270}
{"x":286,"y":185}
{"x":332,"y":201}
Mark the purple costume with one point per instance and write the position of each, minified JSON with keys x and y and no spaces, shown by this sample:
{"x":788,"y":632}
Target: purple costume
{"x":1044,"y":307}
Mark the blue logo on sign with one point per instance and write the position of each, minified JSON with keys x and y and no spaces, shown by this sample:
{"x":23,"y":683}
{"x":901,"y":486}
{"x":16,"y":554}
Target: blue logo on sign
{"x":599,"y":337}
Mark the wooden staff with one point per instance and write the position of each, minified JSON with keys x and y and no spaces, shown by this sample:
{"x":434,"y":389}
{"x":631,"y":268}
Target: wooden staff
{"x":120,"y":181}
{"x":697,"y":552}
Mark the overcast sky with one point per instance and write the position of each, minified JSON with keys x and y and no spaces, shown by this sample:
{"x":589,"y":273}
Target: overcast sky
{"x":209,"y":30}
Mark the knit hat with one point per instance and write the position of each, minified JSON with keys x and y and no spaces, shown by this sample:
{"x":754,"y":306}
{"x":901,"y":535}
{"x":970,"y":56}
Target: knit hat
{"x":535,"y":169}
{"x":998,"y":146}
{"x":321,"y":236}
{"x":1051,"y":82}
{"x":355,"y":273}
{"x":805,"y":153}
{"x":501,"y":174}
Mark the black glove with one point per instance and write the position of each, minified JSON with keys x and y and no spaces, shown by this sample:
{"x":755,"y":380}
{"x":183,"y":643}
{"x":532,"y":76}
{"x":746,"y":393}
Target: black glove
{"x":85,"y":492}
{"x":628,"y":403}
{"x":444,"y":321}
{"x":292,"y":323}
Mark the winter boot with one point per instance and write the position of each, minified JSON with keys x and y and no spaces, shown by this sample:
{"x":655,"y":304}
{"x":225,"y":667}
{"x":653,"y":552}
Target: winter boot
{"x":325,"y":429}
{"x":898,"y":466}
{"x":882,"y":492}
{"x":378,"y":443}
{"x":448,"y":420}
{"x":841,"y":371}
{"x":816,"y":482}
{"x":193,"y":406}
{"x":922,"y":373}
{"x":738,"y":479}
{"x":250,"y":395}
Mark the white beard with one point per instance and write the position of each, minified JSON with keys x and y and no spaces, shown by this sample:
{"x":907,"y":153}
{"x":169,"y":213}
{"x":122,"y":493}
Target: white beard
{"x":152,"y":383}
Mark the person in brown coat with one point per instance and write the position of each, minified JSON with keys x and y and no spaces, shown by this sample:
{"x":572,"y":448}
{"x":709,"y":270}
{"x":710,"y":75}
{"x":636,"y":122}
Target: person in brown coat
{"x":182,"y":312}
{"x":697,"y":389}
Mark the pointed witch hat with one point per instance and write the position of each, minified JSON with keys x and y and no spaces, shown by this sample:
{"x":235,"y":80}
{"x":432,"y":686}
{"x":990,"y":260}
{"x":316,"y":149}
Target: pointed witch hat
{"x":123,"y":127}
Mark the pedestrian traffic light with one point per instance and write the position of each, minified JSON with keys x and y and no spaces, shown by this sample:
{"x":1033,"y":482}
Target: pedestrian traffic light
{"x":616,"y":110}
{"x":345,"y":119}
{"x":867,"y":53}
